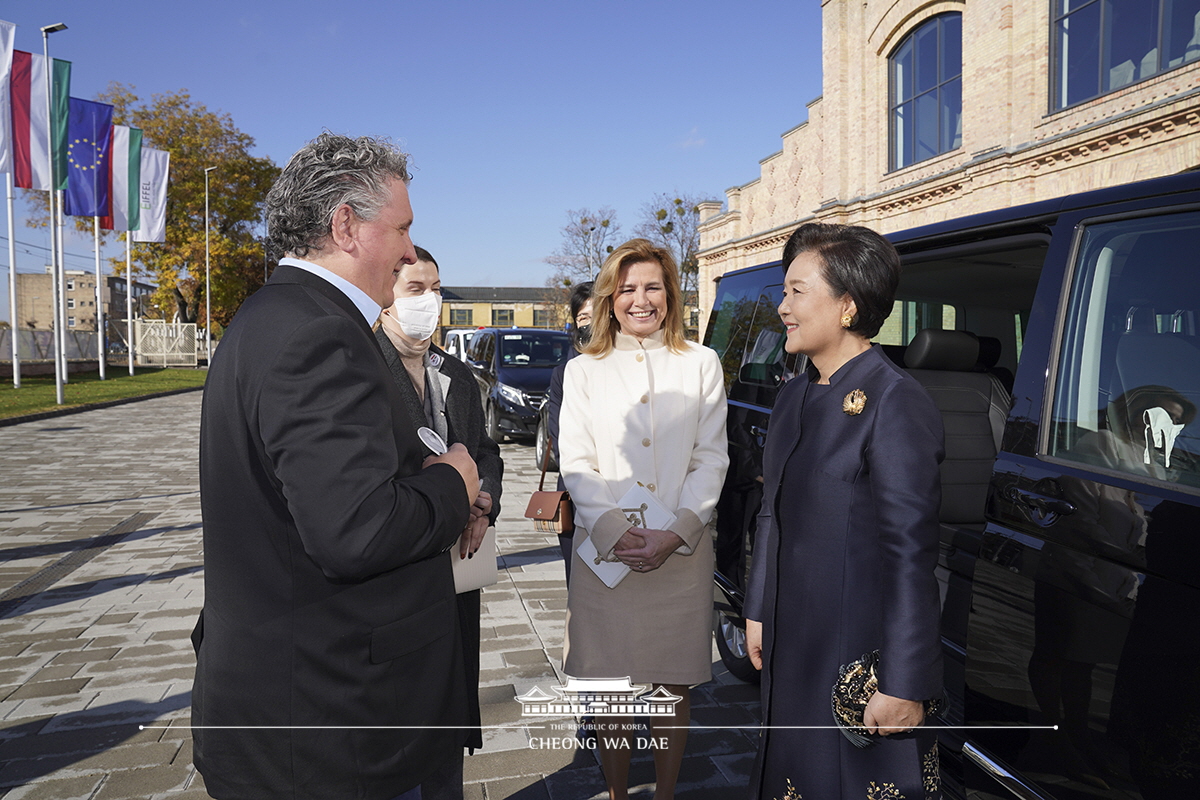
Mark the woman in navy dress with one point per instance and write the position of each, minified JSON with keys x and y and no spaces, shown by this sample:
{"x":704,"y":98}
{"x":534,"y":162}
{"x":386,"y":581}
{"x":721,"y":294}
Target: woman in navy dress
{"x":848,"y":536}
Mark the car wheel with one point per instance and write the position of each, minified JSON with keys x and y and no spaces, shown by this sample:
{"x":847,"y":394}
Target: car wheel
{"x":731,"y":644}
{"x":543,"y":445}
{"x":493,"y":424}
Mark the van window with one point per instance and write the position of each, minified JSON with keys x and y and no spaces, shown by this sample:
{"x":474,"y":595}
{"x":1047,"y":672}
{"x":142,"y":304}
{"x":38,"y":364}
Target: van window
{"x":748,"y":335}
{"x":1128,"y":378}
{"x":984,"y":287}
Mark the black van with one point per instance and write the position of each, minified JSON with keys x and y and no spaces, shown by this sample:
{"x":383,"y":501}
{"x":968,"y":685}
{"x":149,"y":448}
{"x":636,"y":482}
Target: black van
{"x":513,"y":367}
{"x":1061,"y":341}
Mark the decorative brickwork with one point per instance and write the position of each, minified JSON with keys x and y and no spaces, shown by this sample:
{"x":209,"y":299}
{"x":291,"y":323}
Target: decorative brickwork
{"x":834,"y":166}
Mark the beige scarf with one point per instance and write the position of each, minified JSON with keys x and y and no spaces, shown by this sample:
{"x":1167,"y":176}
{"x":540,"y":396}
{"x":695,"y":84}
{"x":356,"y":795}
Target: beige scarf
{"x":412,"y":354}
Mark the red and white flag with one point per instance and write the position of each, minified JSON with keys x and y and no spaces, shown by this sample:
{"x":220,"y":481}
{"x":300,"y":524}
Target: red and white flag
{"x":31,"y":118}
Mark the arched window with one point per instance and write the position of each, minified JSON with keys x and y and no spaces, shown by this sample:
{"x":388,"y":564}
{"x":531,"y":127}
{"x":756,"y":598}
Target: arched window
{"x":1102,"y":45}
{"x":926,"y":91}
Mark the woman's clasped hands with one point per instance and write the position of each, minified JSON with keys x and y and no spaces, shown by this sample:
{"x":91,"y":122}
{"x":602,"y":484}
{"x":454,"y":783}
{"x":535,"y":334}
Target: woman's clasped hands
{"x":643,"y":549}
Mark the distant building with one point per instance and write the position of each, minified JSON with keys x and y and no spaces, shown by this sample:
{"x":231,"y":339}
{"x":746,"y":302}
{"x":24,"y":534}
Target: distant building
{"x":938,"y":109}
{"x":502,"y":307}
{"x":35,"y":299}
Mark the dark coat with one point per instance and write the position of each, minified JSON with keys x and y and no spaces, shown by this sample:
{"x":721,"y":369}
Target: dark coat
{"x":329,"y":600}
{"x":464,"y":416}
{"x":844,"y":564}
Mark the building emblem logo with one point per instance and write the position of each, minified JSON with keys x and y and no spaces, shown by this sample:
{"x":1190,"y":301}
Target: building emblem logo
{"x":608,"y":697}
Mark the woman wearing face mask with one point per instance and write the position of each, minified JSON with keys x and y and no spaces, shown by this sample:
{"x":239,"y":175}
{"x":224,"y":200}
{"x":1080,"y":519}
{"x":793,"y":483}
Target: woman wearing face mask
{"x":440,"y":393}
{"x":581,"y":334}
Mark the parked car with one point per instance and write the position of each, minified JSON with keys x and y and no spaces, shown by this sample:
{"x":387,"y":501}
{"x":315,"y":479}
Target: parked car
{"x":456,"y":340}
{"x":513,"y":368}
{"x":1061,"y":341}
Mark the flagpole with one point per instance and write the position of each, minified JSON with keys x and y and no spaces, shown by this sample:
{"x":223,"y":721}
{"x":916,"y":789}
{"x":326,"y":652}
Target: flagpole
{"x":62,"y":292}
{"x":12,"y":287}
{"x":60,"y":315}
{"x":129,"y":298}
{"x":101,"y":348}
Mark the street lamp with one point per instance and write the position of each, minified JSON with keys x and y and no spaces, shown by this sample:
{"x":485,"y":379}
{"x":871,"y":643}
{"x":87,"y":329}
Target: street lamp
{"x":60,"y":316}
{"x":207,"y":276}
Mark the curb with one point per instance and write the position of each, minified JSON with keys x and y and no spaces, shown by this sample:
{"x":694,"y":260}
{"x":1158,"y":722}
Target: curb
{"x":62,"y":412}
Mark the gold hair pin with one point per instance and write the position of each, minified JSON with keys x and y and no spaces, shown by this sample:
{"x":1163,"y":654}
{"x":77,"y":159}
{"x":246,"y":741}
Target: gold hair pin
{"x":855,"y":402}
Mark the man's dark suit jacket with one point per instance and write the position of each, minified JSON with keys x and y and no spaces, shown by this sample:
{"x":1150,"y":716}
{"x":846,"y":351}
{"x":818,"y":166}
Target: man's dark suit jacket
{"x":329,"y":601}
{"x":464,"y":416}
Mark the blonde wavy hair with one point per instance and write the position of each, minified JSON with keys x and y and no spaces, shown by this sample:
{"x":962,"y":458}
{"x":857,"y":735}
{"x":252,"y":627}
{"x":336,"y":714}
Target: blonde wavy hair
{"x":604,"y":323}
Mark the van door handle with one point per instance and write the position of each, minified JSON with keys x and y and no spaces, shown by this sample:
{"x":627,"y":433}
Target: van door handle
{"x":759,"y":434}
{"x":1001,"y":774}
{"x":1047,"y":509}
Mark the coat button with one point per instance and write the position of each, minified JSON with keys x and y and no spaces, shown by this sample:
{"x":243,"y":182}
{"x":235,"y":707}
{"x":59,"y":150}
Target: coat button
{"x":645,"y":442}
{"x":650,"y":486}
{"x":645,"y":398}
{"x":641,"y":357}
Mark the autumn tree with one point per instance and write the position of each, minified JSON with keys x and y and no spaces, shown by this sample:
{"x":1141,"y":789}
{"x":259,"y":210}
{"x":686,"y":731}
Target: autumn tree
{"x":196,"y":138}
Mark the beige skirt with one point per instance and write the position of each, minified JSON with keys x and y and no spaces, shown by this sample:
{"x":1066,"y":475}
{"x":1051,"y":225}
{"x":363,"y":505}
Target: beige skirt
{"x":654,"y":627}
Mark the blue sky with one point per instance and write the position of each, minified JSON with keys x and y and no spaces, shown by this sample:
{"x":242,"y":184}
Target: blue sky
{"x":514,"y":111}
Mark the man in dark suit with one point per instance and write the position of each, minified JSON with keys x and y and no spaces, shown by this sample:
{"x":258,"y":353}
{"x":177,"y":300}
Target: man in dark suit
{"x":329,"y":663}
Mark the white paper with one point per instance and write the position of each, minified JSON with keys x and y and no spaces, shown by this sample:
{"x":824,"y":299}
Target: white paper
{"x":643,"y":510}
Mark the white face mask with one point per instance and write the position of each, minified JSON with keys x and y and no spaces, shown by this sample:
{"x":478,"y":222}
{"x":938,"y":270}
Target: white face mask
{"x":418,"y":316}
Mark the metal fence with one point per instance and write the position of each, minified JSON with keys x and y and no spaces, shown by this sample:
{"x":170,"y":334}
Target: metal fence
{"x":39,"y":345}
{"x":165,"y":344}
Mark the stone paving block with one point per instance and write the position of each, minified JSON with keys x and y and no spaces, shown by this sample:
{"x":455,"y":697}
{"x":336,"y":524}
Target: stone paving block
{"x":164,"y":676}
{"x":516,"y":763}
{"x":131,"y":756}
{"x":142,"y":783}
{"x":525,"y":788}
{"x":38,"y":743}
{"x":580,"y":783}
{"x":59,"y":706}
{"x":49,"y":688}
{"x":77,"y":656}
{"x":82,"y":787}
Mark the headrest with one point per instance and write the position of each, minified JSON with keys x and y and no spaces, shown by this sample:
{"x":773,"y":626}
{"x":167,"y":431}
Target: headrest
{"x":989,"y":351}
{"x":955,"y":351}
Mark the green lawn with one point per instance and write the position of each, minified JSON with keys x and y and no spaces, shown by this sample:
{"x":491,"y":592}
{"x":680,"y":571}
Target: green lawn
{"x":37,"y":392}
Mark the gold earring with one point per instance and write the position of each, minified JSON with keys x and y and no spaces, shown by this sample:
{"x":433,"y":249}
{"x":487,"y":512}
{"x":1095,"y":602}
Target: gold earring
{"x":847,"y":320}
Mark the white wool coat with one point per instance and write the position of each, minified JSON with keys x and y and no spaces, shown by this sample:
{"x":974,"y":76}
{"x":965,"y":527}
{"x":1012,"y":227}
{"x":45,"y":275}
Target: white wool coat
{"x":643,"y":414}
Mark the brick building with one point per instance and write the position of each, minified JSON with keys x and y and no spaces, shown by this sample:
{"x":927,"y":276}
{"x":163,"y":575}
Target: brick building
{"x":936,"y":110}
{"x":35,"y":299}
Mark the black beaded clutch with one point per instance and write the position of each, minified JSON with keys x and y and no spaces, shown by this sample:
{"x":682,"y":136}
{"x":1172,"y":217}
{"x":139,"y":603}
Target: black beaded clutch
{"x":856,"y":684}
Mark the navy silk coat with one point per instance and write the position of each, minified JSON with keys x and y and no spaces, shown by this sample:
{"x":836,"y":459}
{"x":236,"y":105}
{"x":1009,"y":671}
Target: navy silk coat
{"x":844,"y":564}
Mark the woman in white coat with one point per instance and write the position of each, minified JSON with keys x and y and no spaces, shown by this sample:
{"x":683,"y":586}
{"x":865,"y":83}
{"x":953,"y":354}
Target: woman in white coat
{"x":643,"y":405}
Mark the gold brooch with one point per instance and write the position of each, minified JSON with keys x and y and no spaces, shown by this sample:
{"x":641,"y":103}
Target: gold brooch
{"x":855,"y":402}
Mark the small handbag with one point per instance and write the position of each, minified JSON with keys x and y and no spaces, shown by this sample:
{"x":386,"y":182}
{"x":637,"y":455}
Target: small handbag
{"x":551,"y":512}
{"x":855,"y":686}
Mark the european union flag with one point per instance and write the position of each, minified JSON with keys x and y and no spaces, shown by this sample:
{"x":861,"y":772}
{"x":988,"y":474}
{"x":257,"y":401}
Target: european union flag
{"x":89,"y":159}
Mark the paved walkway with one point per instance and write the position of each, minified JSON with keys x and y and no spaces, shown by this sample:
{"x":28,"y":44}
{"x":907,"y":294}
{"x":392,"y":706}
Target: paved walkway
{"x":101,"y":578}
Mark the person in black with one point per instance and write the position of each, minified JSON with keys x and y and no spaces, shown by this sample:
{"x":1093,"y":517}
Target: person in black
{"x":581,"y":317}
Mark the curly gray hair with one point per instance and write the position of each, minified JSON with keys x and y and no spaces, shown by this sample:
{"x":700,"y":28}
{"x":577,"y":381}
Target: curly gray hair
{"x":329,"y":171}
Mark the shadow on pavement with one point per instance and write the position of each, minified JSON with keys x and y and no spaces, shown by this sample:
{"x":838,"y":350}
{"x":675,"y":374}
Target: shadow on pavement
{"x":51,"y":548}
{"x":16,"y":606}
{"x":42,"y":746}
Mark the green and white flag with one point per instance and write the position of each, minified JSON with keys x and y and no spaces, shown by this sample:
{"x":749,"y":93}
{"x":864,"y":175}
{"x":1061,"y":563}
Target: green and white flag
{"x":126,"y":180}
{"x":152,"y":196}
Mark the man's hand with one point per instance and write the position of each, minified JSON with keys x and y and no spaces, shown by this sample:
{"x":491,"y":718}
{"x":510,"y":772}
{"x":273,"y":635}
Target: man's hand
{"x":653,"y":550}
{"x":754,"y":643}
{"x":458,"y":457}
{"x":473,"y":535}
